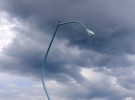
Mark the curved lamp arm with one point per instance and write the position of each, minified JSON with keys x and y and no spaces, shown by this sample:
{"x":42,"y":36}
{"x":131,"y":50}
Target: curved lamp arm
{"x":90,"y":33}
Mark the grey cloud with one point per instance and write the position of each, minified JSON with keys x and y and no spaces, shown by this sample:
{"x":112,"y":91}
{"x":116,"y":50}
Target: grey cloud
{"x":109,"y":24}
{"x":112,"y":21}
{"x":108,"y":88}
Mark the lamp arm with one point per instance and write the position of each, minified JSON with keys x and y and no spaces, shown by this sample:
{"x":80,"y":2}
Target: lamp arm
{"x":73,"y":22}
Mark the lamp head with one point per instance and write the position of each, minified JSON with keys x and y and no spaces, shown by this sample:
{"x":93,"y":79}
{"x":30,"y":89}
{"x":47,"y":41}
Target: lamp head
{"x":90,"y":33}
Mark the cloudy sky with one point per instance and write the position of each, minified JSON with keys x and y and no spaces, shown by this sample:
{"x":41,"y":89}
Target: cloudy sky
{"x":78,"y":67}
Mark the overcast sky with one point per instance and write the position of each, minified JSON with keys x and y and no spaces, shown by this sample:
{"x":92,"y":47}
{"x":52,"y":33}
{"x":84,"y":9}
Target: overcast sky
{"x":78,"y":67}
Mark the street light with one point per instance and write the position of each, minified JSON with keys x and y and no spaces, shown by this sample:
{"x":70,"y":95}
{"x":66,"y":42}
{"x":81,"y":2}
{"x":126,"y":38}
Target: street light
{"x":90,"y":33}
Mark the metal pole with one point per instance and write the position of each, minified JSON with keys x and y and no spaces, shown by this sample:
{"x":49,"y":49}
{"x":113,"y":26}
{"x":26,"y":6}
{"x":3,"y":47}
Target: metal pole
{"x":43,"y":64}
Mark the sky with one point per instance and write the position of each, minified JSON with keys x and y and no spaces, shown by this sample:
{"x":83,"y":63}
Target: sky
{"x":78,"y":67}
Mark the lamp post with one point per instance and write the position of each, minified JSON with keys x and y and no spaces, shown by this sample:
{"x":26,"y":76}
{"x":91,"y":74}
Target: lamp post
{"x":90,"y":33}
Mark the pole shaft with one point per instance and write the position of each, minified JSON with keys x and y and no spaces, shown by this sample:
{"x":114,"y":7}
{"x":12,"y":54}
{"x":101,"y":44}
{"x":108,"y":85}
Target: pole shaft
{"x":43,"y":64}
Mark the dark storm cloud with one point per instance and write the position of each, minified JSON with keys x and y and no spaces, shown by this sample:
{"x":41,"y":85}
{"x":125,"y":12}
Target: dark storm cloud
{"x":106,"y":18}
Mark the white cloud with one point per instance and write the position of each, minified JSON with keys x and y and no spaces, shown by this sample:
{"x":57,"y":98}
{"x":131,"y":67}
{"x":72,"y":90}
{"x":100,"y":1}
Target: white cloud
{"x":128,"y":98}
{"x":131,"y":57}
{"x":6,"y":32}
{"x":19,"y":88}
